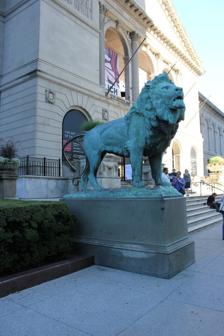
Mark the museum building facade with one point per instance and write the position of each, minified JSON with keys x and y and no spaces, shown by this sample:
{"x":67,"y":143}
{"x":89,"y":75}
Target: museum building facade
{"x":212,"y":129}
{"x":59,"y":60}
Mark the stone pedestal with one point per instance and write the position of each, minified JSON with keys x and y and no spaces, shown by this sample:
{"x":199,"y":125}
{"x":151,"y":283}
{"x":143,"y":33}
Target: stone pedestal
{"x":8,"y":177}
{"x":144,"y":235}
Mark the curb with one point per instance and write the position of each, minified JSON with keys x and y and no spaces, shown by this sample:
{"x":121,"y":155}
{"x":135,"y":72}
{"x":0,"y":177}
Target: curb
{"x":36,"y":276}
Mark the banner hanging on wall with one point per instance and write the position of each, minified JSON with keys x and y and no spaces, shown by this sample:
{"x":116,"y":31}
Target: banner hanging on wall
{"x":111,"y":71}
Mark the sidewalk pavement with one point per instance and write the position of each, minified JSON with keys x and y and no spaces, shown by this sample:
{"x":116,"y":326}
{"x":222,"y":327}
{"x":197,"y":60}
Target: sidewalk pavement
{"x":101,"y":301}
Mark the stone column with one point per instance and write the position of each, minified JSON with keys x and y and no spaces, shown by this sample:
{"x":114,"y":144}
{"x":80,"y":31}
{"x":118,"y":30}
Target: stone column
{"x":222,"y":137}
{"x":209,"y":136}
{"x":134,"y":65}
{"x":127,"y":78}
{"x":220,"y":141}
{"x":215,"y":139}
{"x":102,"y":15}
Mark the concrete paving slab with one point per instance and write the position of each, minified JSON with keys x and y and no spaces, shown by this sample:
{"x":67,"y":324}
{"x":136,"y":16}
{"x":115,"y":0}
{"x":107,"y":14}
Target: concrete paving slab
{"x":25,"y":322}
{"x":95,"y":306}
{"x":102,"y":301}
{"x":202,"y":290}
{"x":174,"y":318}
{"x":7,"y":306}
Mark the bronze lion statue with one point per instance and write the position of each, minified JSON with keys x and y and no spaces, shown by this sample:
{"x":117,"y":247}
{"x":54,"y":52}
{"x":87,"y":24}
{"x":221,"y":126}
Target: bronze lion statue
{"x":146,"y":129}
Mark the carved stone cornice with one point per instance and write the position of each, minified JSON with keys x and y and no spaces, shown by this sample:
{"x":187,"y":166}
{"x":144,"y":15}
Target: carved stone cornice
{"x":172,"y":15}
{"x":190,"y":58}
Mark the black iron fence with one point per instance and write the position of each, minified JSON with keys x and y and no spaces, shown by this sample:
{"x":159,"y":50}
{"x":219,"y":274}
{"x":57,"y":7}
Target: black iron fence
{"x":30,"y":165}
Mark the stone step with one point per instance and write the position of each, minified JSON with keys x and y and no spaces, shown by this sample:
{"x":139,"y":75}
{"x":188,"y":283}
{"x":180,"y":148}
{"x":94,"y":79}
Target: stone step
{"x":203,"y":217}
{"x":198,"y":211}
{"x":192,"y":207}
{"x":199,"y":215}
{"x":200,"y":199}
{"x":203,"y":224}
{"x":197,"y":201}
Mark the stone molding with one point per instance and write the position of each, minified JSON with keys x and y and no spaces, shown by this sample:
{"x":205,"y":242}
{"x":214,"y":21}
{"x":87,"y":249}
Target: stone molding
{"x":167,"y":5}
{"x":192,"y":60}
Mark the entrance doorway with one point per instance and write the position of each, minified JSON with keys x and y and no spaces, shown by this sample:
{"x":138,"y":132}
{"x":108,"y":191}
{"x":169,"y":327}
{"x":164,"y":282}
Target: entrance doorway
{"x":176,"y":156}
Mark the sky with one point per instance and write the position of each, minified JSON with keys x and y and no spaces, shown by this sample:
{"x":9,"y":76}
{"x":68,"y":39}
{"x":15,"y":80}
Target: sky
{"x":203,"y":21}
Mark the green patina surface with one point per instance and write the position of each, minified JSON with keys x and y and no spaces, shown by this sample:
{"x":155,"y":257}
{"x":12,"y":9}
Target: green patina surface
{"x":146,"y":130}
{"x":157,"y":192}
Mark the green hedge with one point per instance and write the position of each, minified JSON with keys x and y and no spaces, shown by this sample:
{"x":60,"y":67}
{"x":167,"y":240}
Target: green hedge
{"x":32,"y":234}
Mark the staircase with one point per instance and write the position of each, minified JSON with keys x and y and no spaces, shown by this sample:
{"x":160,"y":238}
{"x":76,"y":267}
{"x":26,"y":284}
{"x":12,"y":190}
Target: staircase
{"x":199,"y":215}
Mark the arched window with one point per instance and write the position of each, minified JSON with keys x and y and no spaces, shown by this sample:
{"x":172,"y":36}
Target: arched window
{"x":71,"y":125}
{"x":145,"y":69}
{"x":193,"y":162}
{"x":116,"y":55}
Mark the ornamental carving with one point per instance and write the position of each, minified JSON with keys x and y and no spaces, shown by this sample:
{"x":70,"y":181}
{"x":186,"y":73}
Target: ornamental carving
{"x":84,"y":7}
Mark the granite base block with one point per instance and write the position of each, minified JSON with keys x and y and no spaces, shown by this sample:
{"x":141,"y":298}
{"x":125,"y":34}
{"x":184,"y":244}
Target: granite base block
{"x":146,"y":236}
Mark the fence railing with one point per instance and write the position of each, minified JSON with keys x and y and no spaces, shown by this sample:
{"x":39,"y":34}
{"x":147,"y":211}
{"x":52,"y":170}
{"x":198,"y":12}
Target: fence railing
{"x":205,"y":188}
{"x":30,"y":165}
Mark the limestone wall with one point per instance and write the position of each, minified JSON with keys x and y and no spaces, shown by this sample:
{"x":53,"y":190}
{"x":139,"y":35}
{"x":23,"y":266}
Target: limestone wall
{"x":21,"y":39}
{"x":57,"y":47}
{"x":1,"y":37}
{"x":70,"y":50}
{"x":28,"y":187}
{"x":18,"y":116}
{"x":66,"y":97}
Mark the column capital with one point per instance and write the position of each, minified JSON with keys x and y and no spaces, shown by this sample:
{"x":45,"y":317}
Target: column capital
{"x":134,"y":36}
{"x":103,"y":9}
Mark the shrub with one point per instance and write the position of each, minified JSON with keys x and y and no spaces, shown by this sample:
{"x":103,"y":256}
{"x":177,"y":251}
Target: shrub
{"x":32,"y":234}
{"x":88,"y":125}
{"x":216,"y":160}
{"x":8,"y":150}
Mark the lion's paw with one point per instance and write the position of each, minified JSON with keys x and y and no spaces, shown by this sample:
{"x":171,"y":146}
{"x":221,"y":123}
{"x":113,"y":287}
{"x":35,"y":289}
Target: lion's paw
{"x":139,"y":184}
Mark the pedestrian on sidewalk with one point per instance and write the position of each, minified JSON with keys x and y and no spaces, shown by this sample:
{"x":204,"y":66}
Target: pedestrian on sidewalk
{"x":187,"y":180}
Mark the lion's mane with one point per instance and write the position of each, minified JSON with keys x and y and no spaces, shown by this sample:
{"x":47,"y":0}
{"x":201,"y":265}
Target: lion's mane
{"x":145,"y":106}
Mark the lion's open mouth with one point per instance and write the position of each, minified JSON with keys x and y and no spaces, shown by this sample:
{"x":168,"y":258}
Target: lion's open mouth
{"x":177,"y":102}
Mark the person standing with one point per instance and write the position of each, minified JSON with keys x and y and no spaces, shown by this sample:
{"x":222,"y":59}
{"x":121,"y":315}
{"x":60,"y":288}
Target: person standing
{"x":179,"y":183}
{"x":187,"y":180}
{"x":172,"y":175}
{"x":165,"y":176}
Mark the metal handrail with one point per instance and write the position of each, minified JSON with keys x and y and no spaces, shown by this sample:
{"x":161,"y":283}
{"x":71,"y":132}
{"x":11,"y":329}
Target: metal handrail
{"x":212,"y":186}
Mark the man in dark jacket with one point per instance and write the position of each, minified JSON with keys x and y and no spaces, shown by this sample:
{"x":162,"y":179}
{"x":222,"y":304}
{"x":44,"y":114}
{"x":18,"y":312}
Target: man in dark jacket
{"x":211,"y":202}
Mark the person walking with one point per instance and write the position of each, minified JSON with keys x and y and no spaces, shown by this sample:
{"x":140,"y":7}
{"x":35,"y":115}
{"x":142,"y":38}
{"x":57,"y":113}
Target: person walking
{"x":178,"y":183}
{"x":187,"y":180}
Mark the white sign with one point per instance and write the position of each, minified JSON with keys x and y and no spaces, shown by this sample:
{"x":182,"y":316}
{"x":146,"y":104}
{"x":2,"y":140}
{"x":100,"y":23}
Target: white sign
{"x":128,"y":172}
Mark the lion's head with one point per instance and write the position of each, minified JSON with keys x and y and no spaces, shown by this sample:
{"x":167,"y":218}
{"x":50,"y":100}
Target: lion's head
{"x":162,"y":99}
